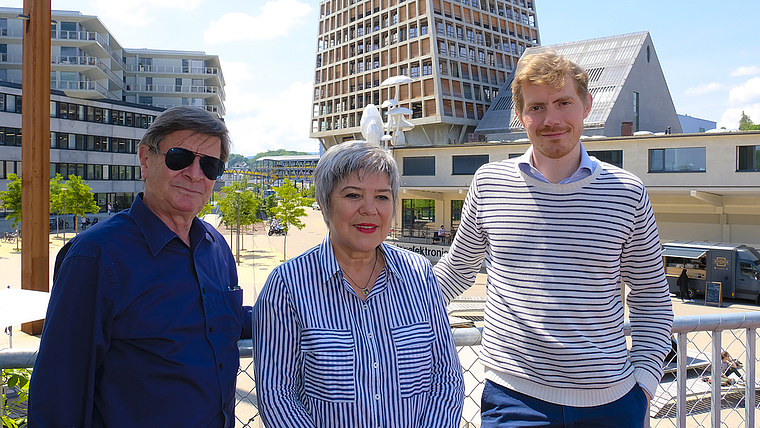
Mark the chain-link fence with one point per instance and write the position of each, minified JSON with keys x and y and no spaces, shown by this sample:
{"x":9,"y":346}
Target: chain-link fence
{"x":691,"y":394}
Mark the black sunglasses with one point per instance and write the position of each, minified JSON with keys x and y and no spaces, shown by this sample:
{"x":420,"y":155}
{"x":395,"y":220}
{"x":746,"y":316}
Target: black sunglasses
{"x":178,"y":158}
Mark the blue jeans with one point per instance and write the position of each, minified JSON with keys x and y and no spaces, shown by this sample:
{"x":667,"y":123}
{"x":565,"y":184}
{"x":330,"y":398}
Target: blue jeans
{"x":504,"y":408}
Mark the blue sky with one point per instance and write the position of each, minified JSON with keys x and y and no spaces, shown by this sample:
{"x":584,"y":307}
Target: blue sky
{"x":709,"y":52}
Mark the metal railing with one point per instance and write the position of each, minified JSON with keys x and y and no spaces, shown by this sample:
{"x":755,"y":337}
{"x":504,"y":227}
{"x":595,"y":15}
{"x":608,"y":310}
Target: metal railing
{"x":691,"y":394}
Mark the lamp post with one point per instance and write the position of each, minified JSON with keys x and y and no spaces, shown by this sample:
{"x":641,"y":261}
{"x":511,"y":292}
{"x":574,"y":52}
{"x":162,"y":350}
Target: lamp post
{"x":237,"y":247}
{"x":63,"y":190}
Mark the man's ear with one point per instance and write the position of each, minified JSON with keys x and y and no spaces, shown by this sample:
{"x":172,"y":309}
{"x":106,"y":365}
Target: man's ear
{"x":519,"y":117}
{"x":142,"y":153}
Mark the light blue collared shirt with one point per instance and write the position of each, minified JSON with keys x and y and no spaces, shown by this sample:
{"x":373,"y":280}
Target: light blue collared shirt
{"x":585,"y":169}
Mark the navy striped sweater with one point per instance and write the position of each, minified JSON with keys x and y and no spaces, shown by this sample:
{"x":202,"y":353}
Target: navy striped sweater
{"x":555,"y":256}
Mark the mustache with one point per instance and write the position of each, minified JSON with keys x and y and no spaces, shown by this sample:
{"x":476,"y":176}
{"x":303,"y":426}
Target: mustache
{"x":553,"y":129}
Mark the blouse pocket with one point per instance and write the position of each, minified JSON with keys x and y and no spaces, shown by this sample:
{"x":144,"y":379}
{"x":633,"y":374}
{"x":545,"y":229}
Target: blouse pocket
{"x":415,"y":358}
{"x":328,"y":364}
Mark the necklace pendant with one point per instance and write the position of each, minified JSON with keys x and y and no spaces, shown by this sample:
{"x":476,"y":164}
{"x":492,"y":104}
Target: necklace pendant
{"x":366,"y":291}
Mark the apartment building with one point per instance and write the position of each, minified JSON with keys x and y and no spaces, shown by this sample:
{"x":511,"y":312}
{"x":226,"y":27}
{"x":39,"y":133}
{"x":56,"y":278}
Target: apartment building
{"x":458,"y":54}
{"x":103,"y":98}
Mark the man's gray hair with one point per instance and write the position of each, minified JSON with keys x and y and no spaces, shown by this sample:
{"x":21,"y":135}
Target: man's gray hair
{"x":352,"y":157}
{"x":187,"y":118}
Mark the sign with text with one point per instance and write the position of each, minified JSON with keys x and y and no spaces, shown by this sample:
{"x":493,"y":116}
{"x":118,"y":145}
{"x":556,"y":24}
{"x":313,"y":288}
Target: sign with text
{"x":714,"y":293}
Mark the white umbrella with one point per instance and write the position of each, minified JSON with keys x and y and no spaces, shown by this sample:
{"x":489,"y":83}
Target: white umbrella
{"x":395,"y":80}
{"x":20,"y":306}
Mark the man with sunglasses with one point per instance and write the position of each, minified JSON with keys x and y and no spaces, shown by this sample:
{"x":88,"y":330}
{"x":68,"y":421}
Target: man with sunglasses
{"x":145,"y":310}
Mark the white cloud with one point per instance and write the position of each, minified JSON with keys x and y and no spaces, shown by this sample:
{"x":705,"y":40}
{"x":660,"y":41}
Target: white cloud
{"x":730,"y":118}
{"x":745,"y":93}
{"x":703,"y":89}
{"x":138,"y":13}
{"x":746,"y":71}
{"x":277,"y":18}
{"x":257,"y":124}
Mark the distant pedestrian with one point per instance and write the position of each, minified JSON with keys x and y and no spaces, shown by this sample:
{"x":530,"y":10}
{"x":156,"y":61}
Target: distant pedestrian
{"x":109,"y":209}
{"x":683,"y":285}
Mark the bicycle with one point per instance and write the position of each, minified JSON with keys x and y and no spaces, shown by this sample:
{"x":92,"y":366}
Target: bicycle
{"x":10,"y":237}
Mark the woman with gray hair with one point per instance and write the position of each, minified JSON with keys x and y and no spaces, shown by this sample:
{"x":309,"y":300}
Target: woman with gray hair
{"x":354,"y":332}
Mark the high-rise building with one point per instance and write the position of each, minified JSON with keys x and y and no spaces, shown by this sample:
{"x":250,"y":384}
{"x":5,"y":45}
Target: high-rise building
{"x":457,"y":53}
{"x":103,"y":98}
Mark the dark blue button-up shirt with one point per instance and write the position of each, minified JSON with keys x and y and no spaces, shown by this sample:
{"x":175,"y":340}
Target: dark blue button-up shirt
{"x":141,"y":329}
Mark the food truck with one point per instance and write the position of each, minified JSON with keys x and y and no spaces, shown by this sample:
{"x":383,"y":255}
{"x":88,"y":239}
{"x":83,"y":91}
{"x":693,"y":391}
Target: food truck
{"x":734,"y":266}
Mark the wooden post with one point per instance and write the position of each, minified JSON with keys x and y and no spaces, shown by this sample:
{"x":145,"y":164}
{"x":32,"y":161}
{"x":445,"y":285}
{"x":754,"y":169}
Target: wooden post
{"x":35,"y":151}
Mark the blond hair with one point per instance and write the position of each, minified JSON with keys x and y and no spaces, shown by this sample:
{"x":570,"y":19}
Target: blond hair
{"x":547,"y":68}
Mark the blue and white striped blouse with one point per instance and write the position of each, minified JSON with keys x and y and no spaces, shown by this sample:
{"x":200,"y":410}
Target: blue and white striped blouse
{"x":326,"y":358}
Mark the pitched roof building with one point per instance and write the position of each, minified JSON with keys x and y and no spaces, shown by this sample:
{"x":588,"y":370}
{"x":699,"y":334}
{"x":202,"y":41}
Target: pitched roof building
{"x":625,"y":79}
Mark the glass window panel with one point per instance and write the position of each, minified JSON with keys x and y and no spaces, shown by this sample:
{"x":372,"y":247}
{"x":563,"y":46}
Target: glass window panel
{"x":421,"y":165}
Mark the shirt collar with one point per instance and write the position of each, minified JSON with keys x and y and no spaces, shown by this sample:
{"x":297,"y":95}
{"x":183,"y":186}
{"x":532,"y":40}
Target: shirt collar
{"x":330,"y":267}
{"x":525,"y":163}
{"x":157,"y":234}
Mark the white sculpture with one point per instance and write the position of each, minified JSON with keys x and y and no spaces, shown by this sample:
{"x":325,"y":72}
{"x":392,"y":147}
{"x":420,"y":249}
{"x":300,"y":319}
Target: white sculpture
{"x":372,"y":122}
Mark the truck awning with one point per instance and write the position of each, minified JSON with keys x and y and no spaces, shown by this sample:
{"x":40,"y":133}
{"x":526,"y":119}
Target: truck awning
{"x":684,"y":252}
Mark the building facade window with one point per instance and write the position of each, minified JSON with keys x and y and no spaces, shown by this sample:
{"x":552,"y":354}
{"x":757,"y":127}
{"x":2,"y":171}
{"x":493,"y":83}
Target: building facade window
{"x":748,"y":158}
{"x":687,"y":159}
{"x":636,"y":111}
{"x":420,"y":165}
{"x":614,"y":157}
{"x":467,"y":164}
{"x":416,"y":214}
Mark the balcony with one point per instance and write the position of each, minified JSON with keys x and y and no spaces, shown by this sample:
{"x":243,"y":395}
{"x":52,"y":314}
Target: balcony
{"x":88,"y":89}
{"x":83,"y":63}
{"x":176,"y":89}
{"x":163,"y":69}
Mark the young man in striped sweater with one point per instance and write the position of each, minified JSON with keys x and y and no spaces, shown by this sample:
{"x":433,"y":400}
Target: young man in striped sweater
{"x":559,"y":230}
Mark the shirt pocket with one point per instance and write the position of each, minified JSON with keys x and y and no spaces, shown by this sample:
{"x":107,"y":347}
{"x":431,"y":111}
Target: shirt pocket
{"x":233,"y":301}
{"x":415,"y":357}
{"x":328,"y":364}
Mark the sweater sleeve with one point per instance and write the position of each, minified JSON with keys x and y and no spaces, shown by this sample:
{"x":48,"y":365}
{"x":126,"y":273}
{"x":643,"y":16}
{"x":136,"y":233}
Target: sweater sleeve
{"x":456,"y":271}
{"x":649,"y":303}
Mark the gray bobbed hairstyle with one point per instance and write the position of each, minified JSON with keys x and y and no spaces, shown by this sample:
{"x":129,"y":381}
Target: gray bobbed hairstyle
{"x":352,"y":157}
{"x":189,"y":118}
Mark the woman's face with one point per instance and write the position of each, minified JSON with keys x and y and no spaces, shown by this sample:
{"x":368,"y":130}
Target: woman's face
{"x":360,"y":213}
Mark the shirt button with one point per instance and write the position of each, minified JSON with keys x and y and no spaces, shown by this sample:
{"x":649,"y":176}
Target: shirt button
{"x":221,"y":366}
{"x":366,"y":307}
{"x":211,"y":329}
{"x":377,"y":397}
{"x":203,"y":289}
{"x":369,"y":335}
{"x":375,"y":365}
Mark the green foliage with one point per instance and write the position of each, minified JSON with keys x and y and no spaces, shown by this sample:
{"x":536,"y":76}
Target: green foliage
{"x":235,"y":159}
{"x":17,"y":379}
{"x":206,"y":210}
{"x":289,"y":210}
{"x":11,"y":198}
{"x":746,"y":124}
{"x":56,"y":183}
{"x":229,"y":201}
{"x":77,"y":199}
{"x":308,"y":192}
{"x":268,"y":205}
{"x":280,"y":152}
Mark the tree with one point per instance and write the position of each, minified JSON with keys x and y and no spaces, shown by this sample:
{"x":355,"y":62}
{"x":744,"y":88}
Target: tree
{"x":55,"y":200}
{"x":12,"y":199}
{"x":289,"y":210}
{"x":79,"y":198}
{"x":230,"y":201}
{"x":746,"y":124}
{"x":235,"y":159}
